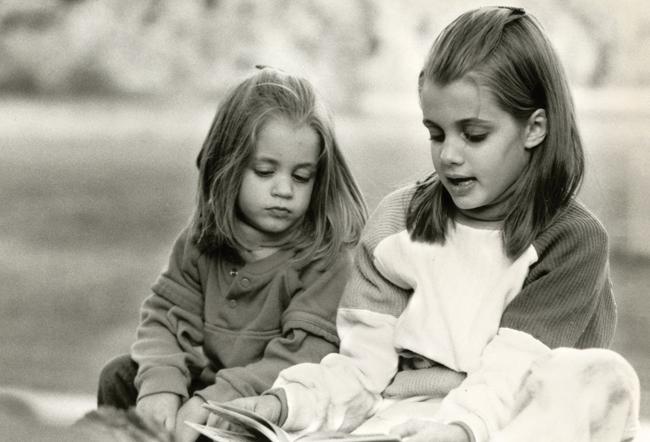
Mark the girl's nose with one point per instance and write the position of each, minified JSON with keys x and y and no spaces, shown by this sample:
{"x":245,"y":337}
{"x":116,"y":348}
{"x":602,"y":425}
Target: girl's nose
{"x":282,"y":187}
{"x":451,"y":151}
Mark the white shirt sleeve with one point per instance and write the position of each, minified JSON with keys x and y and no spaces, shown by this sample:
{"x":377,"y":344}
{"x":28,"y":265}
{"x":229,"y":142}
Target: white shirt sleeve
{"x":343,"y":390}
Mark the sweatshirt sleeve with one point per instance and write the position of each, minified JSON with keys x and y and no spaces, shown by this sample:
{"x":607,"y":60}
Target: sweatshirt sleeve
{"x":344,"y":389}
{"x":308,"y":334}
{"x":171,"y":326}
{"x":566,"y":300}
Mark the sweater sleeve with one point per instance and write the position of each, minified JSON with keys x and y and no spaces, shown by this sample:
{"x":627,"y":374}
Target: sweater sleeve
{"x":344,"y":389}
{"x":566,"y":300}
{"x":308,"y":334}
{"x":171,"y":326}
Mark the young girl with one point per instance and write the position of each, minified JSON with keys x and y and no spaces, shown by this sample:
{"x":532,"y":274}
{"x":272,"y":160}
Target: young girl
{"x":253,"y":283}
{"x":466,"y":284}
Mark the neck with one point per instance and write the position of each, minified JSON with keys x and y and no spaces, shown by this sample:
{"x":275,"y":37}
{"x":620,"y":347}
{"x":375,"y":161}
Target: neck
{"x":486,"y":214}
{"x":253,"y":239}
{"x":480,"y":222}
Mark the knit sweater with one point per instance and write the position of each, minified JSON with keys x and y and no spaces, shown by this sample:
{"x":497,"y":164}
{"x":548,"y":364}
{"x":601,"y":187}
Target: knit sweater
{"x":232,"y":325}
{"x":462,"y":306}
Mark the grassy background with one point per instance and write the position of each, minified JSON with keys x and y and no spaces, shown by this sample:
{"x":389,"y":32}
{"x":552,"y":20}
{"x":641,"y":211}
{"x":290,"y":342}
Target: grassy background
{"x":93,"y":193}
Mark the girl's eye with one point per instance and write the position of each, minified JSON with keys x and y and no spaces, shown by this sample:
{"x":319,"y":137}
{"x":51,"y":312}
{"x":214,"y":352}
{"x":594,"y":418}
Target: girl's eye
{"x":437,"y":137}
{"x":302,"y":178}
{"x":475,"y":137}
{"x":263,"y":172}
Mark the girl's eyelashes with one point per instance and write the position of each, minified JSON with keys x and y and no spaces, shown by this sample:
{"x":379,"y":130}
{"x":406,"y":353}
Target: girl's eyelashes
{"x":469,"y":137}
{"x":475,"y":132}
{"x":436,"y":136}
{"x":470,"y":132}
{"x":475,"y":137}
{"x":299,"y":177}
{"x":263,"y":172}
{"x":303,"y":178}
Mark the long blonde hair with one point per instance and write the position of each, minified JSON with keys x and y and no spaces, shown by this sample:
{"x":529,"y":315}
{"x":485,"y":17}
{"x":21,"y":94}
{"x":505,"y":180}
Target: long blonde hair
{"x":337,"y":211}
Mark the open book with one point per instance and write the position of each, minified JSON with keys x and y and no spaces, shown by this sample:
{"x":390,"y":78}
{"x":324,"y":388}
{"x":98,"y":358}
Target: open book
{"x":252,"y":427}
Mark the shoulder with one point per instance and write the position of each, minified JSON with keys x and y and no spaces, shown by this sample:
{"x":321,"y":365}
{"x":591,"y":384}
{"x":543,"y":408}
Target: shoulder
{"x":186,"y":255}
{"x":574,"y":229}
{"x":400,"y":195}
{"x":185,"y":243}
{"x":316,"y":268}
{"x":181,"y":282}
{"x":390,"y":215}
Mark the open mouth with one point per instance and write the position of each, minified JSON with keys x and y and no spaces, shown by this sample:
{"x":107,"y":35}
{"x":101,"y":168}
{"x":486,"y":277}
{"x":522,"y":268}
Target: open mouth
{"x":461,"y":181}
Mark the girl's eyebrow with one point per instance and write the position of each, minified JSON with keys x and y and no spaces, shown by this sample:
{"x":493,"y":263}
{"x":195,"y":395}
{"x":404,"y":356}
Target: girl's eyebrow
{"x":275,"y":162}
{"x":475,"y":120}
{"x":463,"y":122}
{"x":305,"y":165}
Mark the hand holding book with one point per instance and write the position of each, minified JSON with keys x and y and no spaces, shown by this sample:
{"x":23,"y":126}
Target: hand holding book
{"x":267,"y":407}
{"x":247,"y":425}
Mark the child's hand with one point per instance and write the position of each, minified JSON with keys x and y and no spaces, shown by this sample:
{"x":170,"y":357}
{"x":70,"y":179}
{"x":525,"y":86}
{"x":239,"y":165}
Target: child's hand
{"x":161,"y":407}
{"x":416,"y":430}
{"x":192,"y":411}
{"x":267,"y":406}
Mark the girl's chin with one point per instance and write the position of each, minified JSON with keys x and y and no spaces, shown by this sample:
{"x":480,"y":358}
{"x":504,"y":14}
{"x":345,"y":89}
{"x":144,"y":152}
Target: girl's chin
{"x":275,"y":232}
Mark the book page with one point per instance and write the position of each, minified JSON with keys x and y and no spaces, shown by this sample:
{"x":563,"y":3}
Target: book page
{"x":346,"y":437}
{"x":256,"y":428}
{"x":252,"y":422}
{"x":219,"y":435}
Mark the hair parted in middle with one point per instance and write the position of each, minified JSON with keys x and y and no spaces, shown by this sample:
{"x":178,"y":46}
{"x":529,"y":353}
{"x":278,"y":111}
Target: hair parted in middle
{"x":337,"y":211}
{"x":505,"y":50}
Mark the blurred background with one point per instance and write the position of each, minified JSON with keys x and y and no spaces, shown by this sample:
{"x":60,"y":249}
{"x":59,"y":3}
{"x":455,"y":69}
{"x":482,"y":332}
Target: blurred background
{"x":104,"y":105}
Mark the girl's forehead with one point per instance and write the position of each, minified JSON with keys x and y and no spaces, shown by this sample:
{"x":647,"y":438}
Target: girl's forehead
{"x":279,"y":125}
{"x":283,"y":139}
{"x":459,"y":99}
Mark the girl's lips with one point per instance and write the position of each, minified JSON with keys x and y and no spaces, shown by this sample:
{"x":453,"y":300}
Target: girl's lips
{"x":278,"y":212}
{"x":460,"y":185}
{"x":458,"y":181}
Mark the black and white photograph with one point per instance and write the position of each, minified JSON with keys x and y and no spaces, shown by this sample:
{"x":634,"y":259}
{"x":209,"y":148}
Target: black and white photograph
{"x":324,"y":220}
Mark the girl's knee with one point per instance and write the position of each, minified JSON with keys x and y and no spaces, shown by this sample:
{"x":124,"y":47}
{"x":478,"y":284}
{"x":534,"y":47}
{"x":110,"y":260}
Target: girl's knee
{"x":612,"y":382}
{"x":592,"y":368}
{"x":596,"y":376}
{"x":121,"y":367}
{"x":592,"y":391}
{"x":116,"y":383}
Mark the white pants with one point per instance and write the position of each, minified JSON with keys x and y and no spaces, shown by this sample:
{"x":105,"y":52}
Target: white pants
{"x":570,"y":395}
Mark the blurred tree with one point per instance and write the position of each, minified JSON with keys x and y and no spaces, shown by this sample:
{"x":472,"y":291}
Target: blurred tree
{"x":595,"y":18}
{"x":200,"y":47}
{"x":165,"y":46}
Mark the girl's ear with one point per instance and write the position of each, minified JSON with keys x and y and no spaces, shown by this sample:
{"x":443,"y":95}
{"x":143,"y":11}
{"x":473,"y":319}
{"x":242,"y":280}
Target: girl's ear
{"x":535,"y":129}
